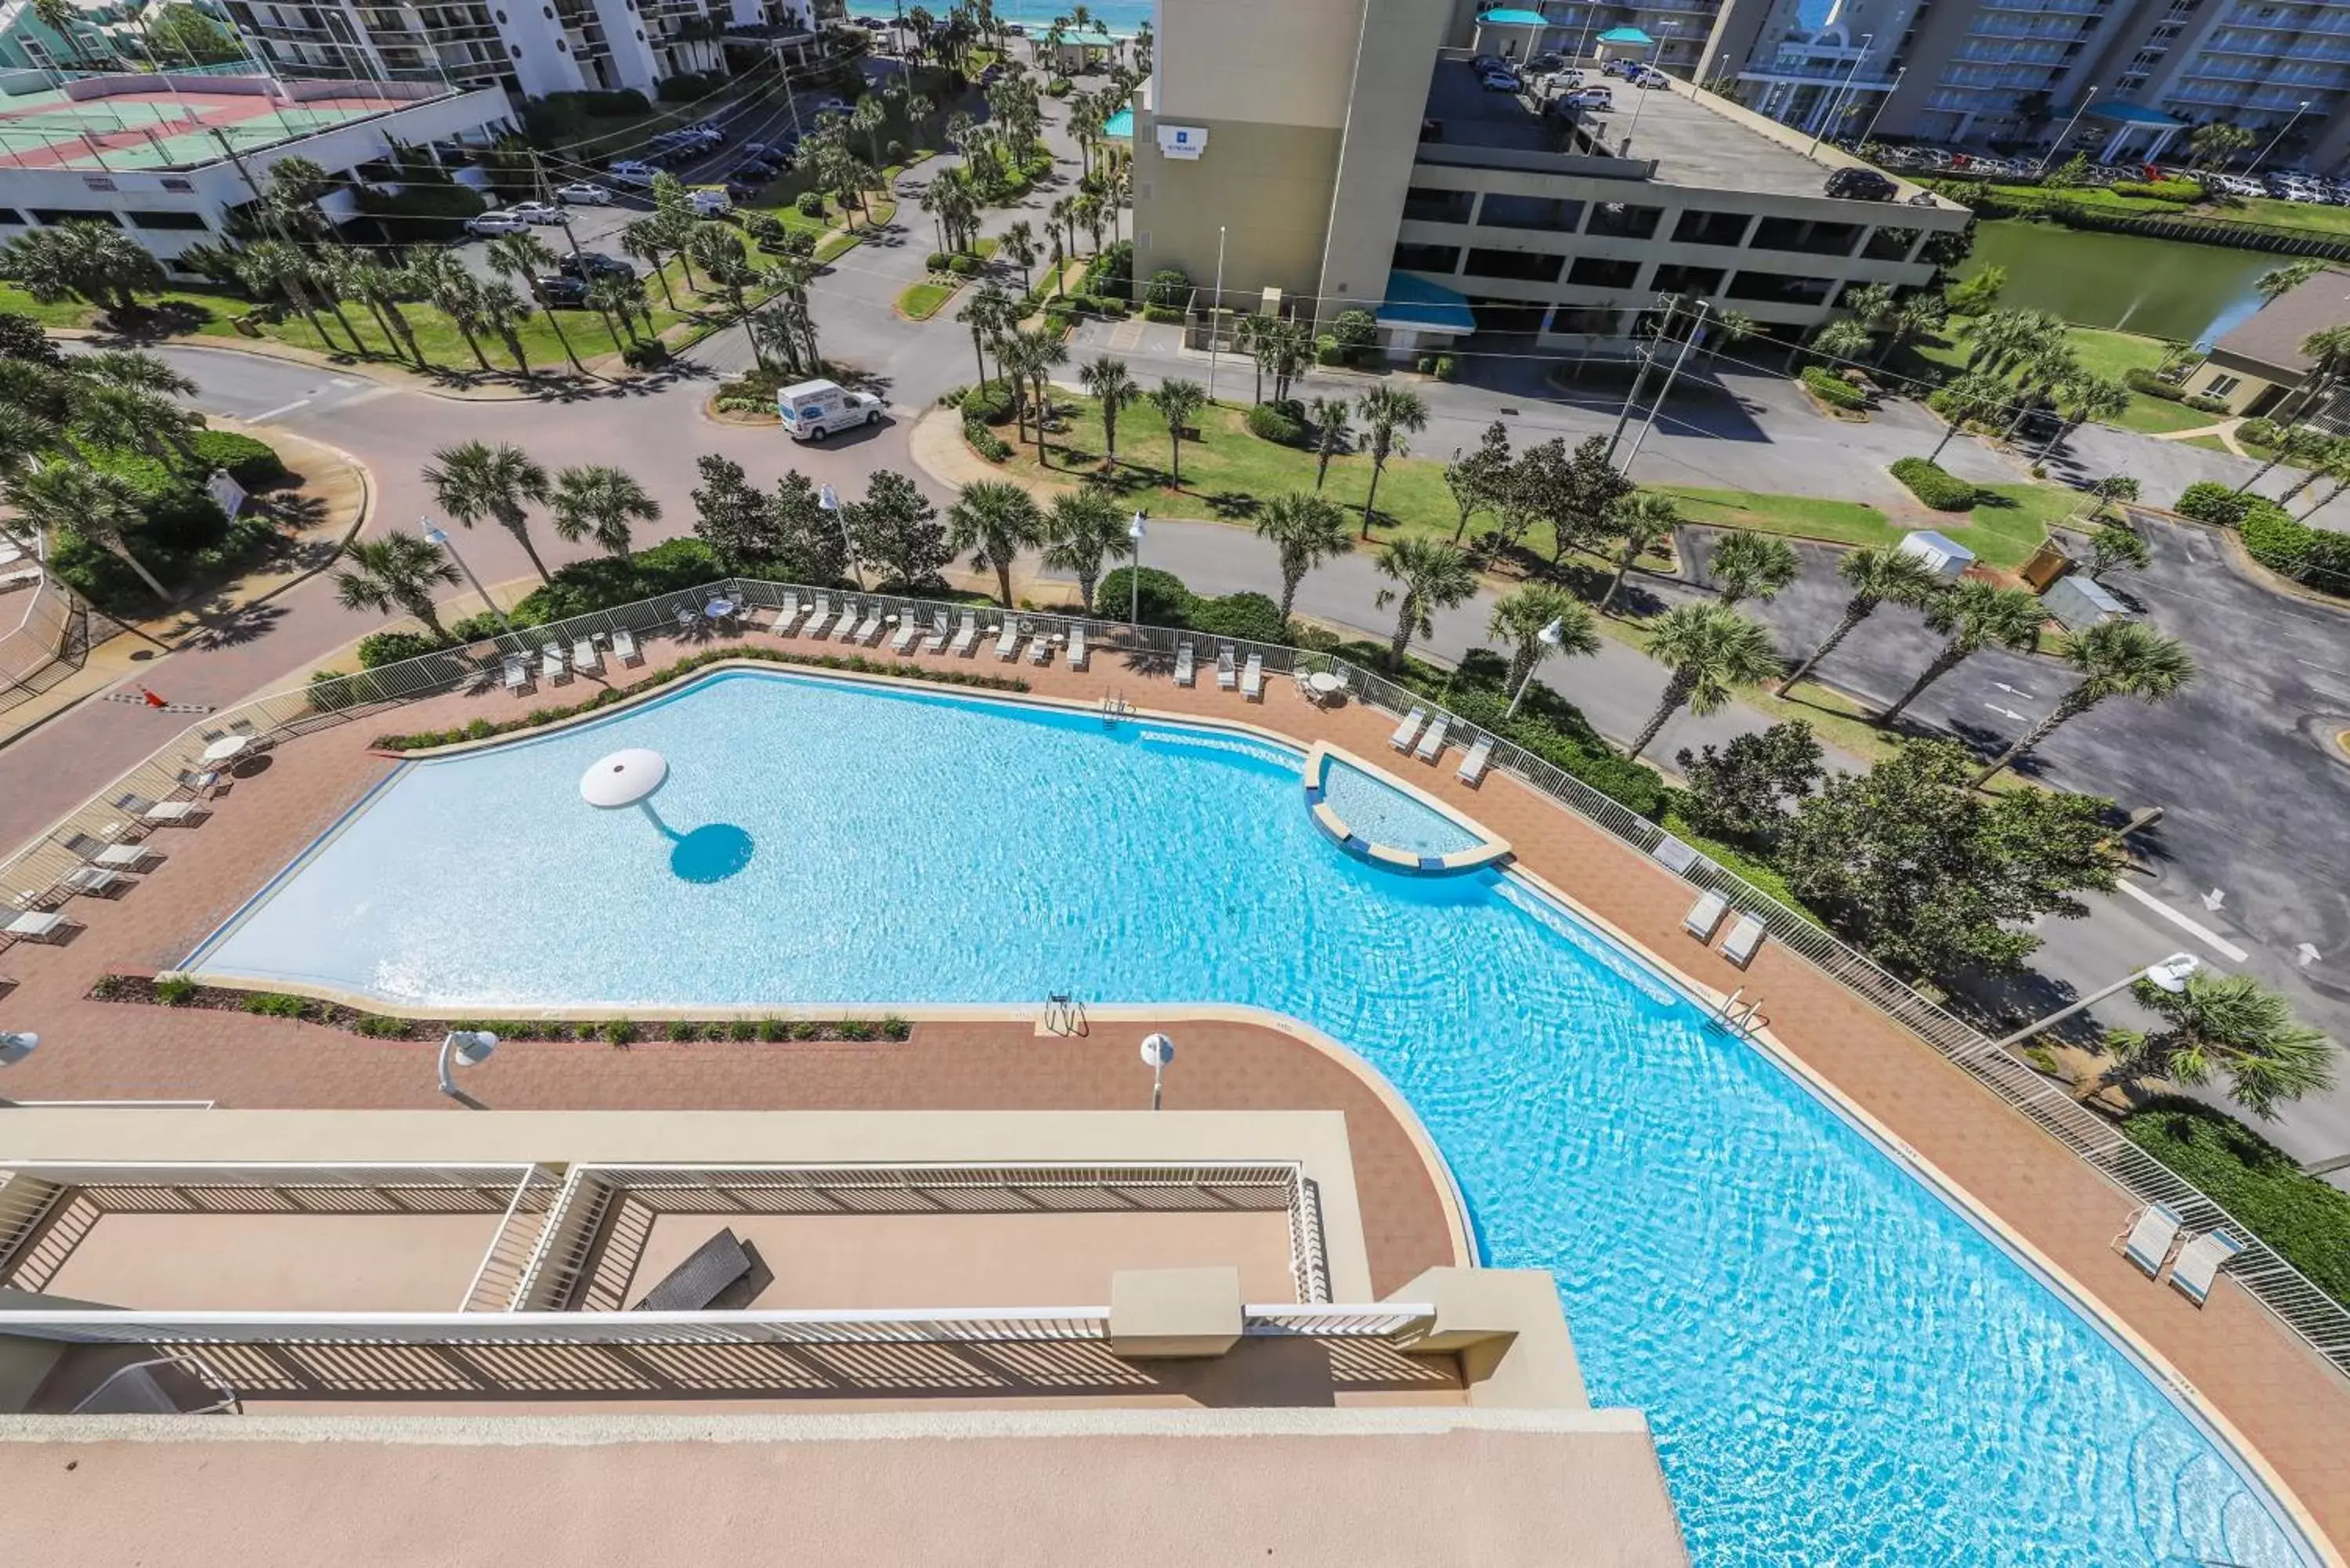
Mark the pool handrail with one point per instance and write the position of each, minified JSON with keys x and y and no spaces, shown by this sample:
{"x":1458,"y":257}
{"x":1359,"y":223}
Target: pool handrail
{"x":2281,"y":1289}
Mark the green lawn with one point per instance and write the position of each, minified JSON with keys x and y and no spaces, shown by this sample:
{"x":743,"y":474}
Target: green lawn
{"x":920,"y":301}
{"x":1802,"y":516}
{"x":2013,"y":521}
{"x":2105,"y":352}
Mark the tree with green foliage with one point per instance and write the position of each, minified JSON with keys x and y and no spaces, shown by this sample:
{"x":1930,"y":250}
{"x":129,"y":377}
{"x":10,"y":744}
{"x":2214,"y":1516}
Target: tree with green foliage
{"x":1574,"y":494}
{"x":1178,"y":402}
{"x":991,"y":313}
{"x":1841,"y":342}
{"x":1744,"y":792}
{"x":1977,"y":292}
{"x":1875,"y":574}
{"x":522,"y":257}
{"x":2115,"y":545}
{"x":1085,"y":530}
{"x":475,"y":481}
{"x":734,"y":518}
{"x":1430,"y":575}
{"x":1645,"y":519}
{"x":396,"y":571}
{"x":1925,"y":874}
{"x":444,"y":283}
{"x":1305,"y":531}
{"x":2222,"y":1026}
{"x":2279,"y":281}
{"x":1711,"y":651}
{"x":61,"y":496}
{"x":1030,"y":358}
{"x":1972,"y":615}
{"x":1749,"y":565}
{"x":896,"y":529}
{"x":2213,"y":144}
{"x":1331,"y":419}
{"x":2113,"y":659}
{"x":96,"y":263}
{"x":808,"y":540}
{"x":2083,"y":397}
{"x":1520,"y":617}
{"x":995,"y":521}
{"x":1972,"y":399}
{"x":602,"y":502}
{"x":1479,"y":479}
{"x":1113,"y":386}
{"x":1389,"y":414}
{"x":179,"y":34}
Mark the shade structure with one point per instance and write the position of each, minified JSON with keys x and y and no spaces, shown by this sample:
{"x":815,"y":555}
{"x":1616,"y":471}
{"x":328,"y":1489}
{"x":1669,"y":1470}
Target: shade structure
{"x":624,"y":778}
{"x":1626,"y":36}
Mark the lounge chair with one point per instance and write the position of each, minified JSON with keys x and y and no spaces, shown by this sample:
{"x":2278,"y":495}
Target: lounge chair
{"x":876,"y":622}
{"x":861,"y":631}
{"x":1432,"y":745}
{"x":1473,"y":766}
{"x":35,"y":926}
{"x":1744,"y":939}
{"x":705,"y":1275}
{"x":1228,"y":673}
{"x":908,"y":630}
{"x":94,"y":880}
{"x":119,"y":857}
{"x":1184,"y":673}
{"x":1077,"y":654}
{"x":1007,"y":642}
{"x":1040,"y":646}
{"x":687,"y":621}
{"x":550,"y":664}
{"x":624,"y":647}
{"x":966,"y":636}
{"x":789,"y":616}
{"x":2200,"y":1262}
{"x":937,"y":641}
{"x":200,"y":782}
{"x":1252,"y":679}
{"x":1406,"y":732}
{"x":517,"y":672}
{"x":821,"y":621}
{"x":847,"y":621}
{"x":2153,"y":1233}
{"x":1704,"y":916}
{"x":585,"y":658}
{"x":146,"y":810}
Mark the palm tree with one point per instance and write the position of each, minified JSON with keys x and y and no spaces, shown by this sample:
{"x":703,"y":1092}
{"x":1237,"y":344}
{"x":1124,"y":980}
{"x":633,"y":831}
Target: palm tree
{"x":2113,"y":659}
{"x":1330,"y":433}
{"x":1019,"y":246}
{"x":869,"y":119}
{"x":59,"y":496}
{"x":1432,"y":575}
{"x":269,"y":267}
{"x":90,"y":261}
{"x":2000,"y":335}
{"x":994,"y":521}
{"x":2085,"y":396}
{"x":1520,"y":617}
{"x":444,"y":282}
{"x":989,"y":313}
{"x":1034,"y":356}
{"x":1085,"y":529}
{"x":381,"y":288}
{"x":1730,"y":327}
{"x":500,"y":308}
{"x":128,"y":417}
{"x":2329,"y":347}
{"x":1178,"y":402}
{"x":645,"y":241}
{"x":523,"y":257}
{"x":1746,"y":565}
{"x":1841,"y":341}
{"x":2224,"y":1025}
{"x":1114,"y":387}
{"x":2294,"y":443}
{"x":1874,"y":576}
{"x":1974,"y":615}
{"x":24,"y":435}
{"x":1971,"y":398}
{"x":1712,"y":652}
{"x":398,"y":569}
{"x":476,"y":481}
{"x":1305,"y":531}
{"x":1388,"y":413}
{"x":1645,"y":519}
{"x":600,"y":503}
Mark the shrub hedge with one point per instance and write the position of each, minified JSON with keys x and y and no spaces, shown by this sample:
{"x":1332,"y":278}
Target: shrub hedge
{"x":2304,"y":1219}
{"x":603,"y":581}
{"x":2159,"y":190}
{"x":2139,"y":379}
{"x":1282,"y":423}
{"x":1935,"y":485}
{"x":252,"y":464}
{"x":2283,"y":542}
{"x":1832,"y":388}
{"x":2208,"y":500}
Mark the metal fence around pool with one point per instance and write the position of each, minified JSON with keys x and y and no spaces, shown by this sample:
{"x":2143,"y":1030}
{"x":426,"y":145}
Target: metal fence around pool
{"x":34,"y":873}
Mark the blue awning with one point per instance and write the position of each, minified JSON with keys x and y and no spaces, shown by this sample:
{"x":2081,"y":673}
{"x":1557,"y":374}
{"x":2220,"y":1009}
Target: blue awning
{"x":1510,"y":17}
{"x":1429,"y":306}
{"x":2134,"y":114}
{"x":1626,"y":36}
{"x":1120,"y":124}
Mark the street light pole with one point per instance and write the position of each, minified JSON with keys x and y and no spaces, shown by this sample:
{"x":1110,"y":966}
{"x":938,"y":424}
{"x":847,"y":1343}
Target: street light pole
{"x":436,"y":535}
{"x":1550,"y":637}
{"x":829,"y":499}
{"x":1133,"y":531}
{"x":464,"y":1048}
{"x":1216,"y":315}
{"x":1836,"y":99}
{"x":1881,"y":102}
{"x":2170,"y":974}
{"x":2066,"y":134}
{"x":2277,"y":138}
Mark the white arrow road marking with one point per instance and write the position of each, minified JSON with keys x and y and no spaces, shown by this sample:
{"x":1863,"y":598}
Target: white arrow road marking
{"x":2308,"y":954}
{"x":2213,"y":899}
{"x":2008,"y":713}
{"x":2015,"y":690}
{"x":280,"y":409}
{"x":2216,"y":943}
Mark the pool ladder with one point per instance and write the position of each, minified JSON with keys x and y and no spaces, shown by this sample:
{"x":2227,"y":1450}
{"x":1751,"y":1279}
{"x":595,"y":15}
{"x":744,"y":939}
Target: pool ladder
{"x":1743,"y":1021}
{"x":1114,"y":707}
{"x":1064,"y":1014}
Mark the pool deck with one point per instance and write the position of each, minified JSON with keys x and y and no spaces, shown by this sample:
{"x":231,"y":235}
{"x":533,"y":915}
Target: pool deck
{"x":2292,"y":1407}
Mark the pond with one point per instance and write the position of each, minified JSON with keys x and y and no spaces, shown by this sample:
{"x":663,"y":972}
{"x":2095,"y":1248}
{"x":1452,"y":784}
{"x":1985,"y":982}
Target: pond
{"x":2163,"y":288}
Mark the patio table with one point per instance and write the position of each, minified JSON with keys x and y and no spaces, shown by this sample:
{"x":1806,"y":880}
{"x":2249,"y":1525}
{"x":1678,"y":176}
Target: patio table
{"x":227,"y":746}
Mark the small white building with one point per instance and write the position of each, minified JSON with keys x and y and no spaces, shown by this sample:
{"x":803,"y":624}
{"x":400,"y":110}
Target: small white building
{"x":1946,"y":557}
{"x":2078,"y":600}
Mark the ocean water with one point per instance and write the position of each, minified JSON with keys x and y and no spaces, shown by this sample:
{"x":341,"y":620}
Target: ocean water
{"x":1119,"y":17}
{"x":1838,"y":1367}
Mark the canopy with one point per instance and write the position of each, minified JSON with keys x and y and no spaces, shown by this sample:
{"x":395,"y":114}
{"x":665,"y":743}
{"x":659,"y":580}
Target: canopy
{"x":2133,"y":114}
{"x":1511,"y":18}
{"x":1415,"y":302}
{"x":1626,"y":36}
{"x":1120,"y":124}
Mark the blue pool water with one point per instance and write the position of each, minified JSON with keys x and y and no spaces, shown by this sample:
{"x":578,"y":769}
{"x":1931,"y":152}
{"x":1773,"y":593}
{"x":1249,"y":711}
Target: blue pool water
{"x":1382,"y":814}
{"x":1838,"y":1367}
{"x":1118,"y":18}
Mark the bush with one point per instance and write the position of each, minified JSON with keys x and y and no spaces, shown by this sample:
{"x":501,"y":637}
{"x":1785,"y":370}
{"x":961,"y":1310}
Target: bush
{"x":2260,"y":433}
{"x":2158,"y":190}
{"x":1439,"y":366}
{"x":1548,"y":729}
{"x":686,"y":86}
{"x":1170,"y":289}
{"x":1111,"y":272}
{"x":1329,"y":351}
{"x":1166,"y":316}
{"x":176,"y":991}
{"x":390,"y":646}
{"x":810,"y":204}
{"x":648,"y":355}
{"x":986,"y":442}
{"x":963,"y":265}
{"x":1355,"y":329}
{"x":2208,"y":500}
{"x":1251,"y":616}
{"x":275,"y":1004}
{"x":604,"y":581}
{"x":1164,"y":600}
{"x":936,"y":261}
{"x":1832,"y":388}
{"x":2304,"y":1219}
{"x":1935,"y":485}
{"x":252,"y":464}
{"x":990,"y":404}
{"x":1279,"y":423}
{"x":1059,"y":87}
{"x":2140,"y":380}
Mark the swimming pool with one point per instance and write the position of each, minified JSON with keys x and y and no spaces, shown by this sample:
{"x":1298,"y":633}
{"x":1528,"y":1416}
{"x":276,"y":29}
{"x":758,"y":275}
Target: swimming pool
{"x":1838,"y":1367}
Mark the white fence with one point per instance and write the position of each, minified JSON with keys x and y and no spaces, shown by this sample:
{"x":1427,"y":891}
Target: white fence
{"x":44,"y":635}
{"x":2282,"y":1289}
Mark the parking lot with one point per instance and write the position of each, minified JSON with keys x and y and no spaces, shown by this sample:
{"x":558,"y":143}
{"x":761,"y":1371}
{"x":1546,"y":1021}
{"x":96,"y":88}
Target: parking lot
{"x":1950,"y":163}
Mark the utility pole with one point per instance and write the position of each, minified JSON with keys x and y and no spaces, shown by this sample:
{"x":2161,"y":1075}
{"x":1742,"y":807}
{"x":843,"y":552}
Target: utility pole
{"x":1697,"y":329}
{"x":1632,"y":398}
{"x":546,"y":194}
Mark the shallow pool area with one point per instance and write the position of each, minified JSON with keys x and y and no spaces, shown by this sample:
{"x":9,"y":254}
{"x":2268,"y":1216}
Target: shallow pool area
{"x":1838,"y":1366}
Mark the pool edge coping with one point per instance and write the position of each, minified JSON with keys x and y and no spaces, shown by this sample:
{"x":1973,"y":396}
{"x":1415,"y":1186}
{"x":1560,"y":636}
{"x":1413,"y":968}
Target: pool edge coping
{"x":1489,"y":850}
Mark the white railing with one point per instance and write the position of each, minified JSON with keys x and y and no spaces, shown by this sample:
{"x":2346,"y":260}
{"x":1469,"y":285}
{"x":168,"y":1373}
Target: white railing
{"x":46,"y":632}
{"x":2279,"y":1287}
{"x":1399,"y":1321}
{"x":497,"y":1281}
{"x":26,"y":1200}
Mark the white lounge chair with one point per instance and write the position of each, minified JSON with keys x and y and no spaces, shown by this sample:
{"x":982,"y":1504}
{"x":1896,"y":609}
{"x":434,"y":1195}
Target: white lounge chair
{"x":2200,"y":1262}
{"x":1744,"y":939}
{"x":1704,"y":916}
{"x":200,"y":782}
{"x":1184,"y":673}
{"x":35,"y":926}
{"x":846,"y":624}
{"x":820,"y":622}
{"x":1479,"y":757}
{"x":1406,"y":732}
{"x":1252,"y":679}
{"x":966,"y":636}
{"x":624,"y":647}
{"x":550,"y":664}
{"x":1007,"y":643}
{"x":937,"y":641}
{"x":869,"y":629}
{"x":687,"y":621}
{"x":1228,"y":673}
{"x":908,"y":630}
{"x":585,"y":657}
{"x":789,"y":616}
{"x":1077,"y":654}
{"x":517,"y":672}
{"x":99,"y":852}
{"x":2153,"y":1233}
{"x":1040,"y":646}
{"x":1432,"y":745}
{"x":91,"y":879}
{"x":146,"y":810}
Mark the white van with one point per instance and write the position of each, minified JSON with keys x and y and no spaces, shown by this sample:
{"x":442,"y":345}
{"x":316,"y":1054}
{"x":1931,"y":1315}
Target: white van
{"x":710,"y":202}
{"x":814,"y":410}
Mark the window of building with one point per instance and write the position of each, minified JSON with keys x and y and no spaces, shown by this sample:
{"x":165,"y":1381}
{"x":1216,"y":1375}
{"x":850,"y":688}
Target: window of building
{"x":1597,"y":272}
{"x":1526,"y":266}
{"x":1777,"y":288}
{"x":1889,"y":244}
{"x":1711,"y":228}
{"x":74,"y":215}
{"x":1427,"y":258}
{"x":1577,"y":322}
{"x":1422,"y":204}
{"x":1698,"y":282}
{"x":167,"y":220}
{"x":1806,"y":235}
{"x":1620,"y":220}
{"x":2224,"y":386}
{"x":1530,"y":213}
{"x":10,"y":215}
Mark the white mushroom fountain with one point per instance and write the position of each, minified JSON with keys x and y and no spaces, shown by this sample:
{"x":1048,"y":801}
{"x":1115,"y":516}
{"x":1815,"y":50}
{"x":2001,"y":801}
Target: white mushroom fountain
{"x":628,"y":778}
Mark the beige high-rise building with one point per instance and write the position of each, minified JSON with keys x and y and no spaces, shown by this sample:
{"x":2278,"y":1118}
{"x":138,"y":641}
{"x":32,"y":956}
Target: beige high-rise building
{"x":1347,"y":153}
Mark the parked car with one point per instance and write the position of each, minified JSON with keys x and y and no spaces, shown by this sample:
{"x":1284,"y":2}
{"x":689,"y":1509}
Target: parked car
{"x":1650,"y":78}
{"x":584,"y":194}
{"x":1860,"y":185}
{"x":594,"y":264}
{"x":710,"y":202}
{"x":753,"y":172}
{"x":494,"y":221}
{"x":1498,"y":82}
{"x":632,"y":171}
{"x":556,"y":289}
{"x":764,"y":150}
{"x":814,"y":410}
{"x":1592,"y":97}
{"x":832,"y":105}
{"x":1548,"y":60}
{"x":536,"y":212}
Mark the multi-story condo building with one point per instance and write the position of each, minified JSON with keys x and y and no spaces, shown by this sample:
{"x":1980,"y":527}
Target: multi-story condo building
{"x":1345,"y":152}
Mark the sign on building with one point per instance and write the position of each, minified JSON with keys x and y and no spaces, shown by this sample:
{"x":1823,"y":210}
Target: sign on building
{"x":226,"y":491}
{"x":1185,"y":141}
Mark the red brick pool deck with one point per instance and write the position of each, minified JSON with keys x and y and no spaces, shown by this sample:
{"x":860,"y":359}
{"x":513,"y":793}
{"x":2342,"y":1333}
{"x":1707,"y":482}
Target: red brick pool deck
{"x":2288,"y":1403}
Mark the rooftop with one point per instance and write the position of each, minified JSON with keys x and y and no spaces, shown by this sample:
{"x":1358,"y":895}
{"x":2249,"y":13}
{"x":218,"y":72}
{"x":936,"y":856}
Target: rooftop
{"x":107,"y":123}
{"x":2274,"y":334}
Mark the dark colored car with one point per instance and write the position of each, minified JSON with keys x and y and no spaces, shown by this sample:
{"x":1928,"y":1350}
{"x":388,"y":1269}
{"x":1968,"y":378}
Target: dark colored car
{"x":556,"y":289}
{"x":1860,"y":185}
{"x":756,"y":171}
{"x":593,"y":265}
